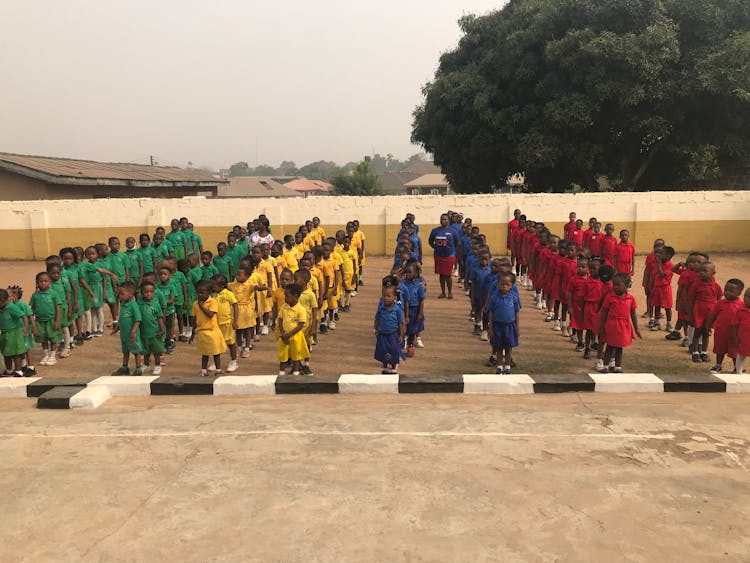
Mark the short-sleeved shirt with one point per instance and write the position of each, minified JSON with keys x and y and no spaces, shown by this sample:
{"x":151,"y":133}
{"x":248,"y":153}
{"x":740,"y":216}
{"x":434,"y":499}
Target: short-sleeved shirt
{"x":194,"y":275}
{"x":11,"y":316}
{"x":178,"y":240}
{"x":309,"y":302}
{"x":116,"y":263}
{"x":292,"y":316}
{"x":177,"y":281}
{"x":207,"y":272}
{"x":504,"y":307}
{"x":162,"y":251}
{"x":147,"y":256}
{"x":62,"y":289}
{"x":443,"y":241}
{"x":225,"y":300}
{"x":224,"y":265}
{"x":618,"y":307}
{"x":130,"y":313}
{"x":45,"y":305}
{"x":389,"y":319}
{"x":203,"y":321}
{"x":348,"y":261}
{"x":165,"y":293}
{"x":133,"y":261}
{"x":413,"y":292}
{"x":235,"y":254}
{"x":151,"y":312}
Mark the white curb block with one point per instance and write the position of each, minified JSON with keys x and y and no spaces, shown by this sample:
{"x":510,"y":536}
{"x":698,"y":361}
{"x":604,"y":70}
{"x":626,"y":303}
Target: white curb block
{"x":90,"y":398}
{"x":245,"y":385}
{"x":736,"y":383}
{"x":15,"y":387}
{"x":627,"y":383}
{"x":362,"y":383}
{"x":487,"y":383}
{"x":126,"y":385}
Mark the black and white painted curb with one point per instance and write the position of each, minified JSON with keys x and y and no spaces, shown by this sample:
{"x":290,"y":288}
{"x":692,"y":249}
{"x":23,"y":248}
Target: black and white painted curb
{"x":89,"y":393}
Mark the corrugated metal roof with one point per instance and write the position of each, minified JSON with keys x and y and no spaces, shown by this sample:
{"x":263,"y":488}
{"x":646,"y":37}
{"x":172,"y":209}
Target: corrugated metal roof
{"x":428,"y":180}
{"x":255,"y":186}
{"x":66,"y":169}
{"x":305,"y":185}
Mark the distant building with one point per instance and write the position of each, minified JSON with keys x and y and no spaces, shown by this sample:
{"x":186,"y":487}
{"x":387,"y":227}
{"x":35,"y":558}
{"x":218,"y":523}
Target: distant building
{"x":27,"y":177}
{"x":428,"y":184}
{"x":255,"y":186}
{"x":393,"y":182}
{"x":309,"y":187}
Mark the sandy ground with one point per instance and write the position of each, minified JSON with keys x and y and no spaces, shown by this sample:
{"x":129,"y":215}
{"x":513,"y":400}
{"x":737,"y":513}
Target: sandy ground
{"x":379,"y":478}
{"x":450,"y":347}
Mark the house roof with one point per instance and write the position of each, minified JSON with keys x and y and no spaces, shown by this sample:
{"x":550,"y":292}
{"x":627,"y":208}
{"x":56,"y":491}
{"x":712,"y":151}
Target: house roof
{"x":394,"y":182}
{"x":255,"y":186}
{"x":429,"y":181}
{"x":422,"y":167}
{"x":305,"y":185}
{"x":70,"y":171}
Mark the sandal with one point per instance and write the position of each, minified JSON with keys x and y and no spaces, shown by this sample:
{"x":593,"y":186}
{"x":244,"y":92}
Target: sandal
{"x":450,"y":296}
{"x":441,"y":296}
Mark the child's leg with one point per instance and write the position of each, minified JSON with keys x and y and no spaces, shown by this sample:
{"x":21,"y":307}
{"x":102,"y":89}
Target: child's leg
{"x":618,"y":358}
{"x":66,"y":338}
{"x":295,"y":367}
{"x":233,"y":352}
{"x":125,"y":359}
{"x":607,"y":355}
{"x":180,"y":325}
{"x":157,"y":359}
{"x":139,"y":360}
{"x":217,"y":361}
{"x":507,"y":352}
{"x":719,"y":359}
{"x":204,"y":363}
{"x":739,"y":362}
{"x":147,"y":357}
{"x":100,"y":319}
{"x":668,"y":315}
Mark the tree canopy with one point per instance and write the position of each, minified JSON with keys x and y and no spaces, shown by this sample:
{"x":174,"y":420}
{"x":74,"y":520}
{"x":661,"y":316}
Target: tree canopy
{"x":360,"y":181}
{"x":647,"y":93}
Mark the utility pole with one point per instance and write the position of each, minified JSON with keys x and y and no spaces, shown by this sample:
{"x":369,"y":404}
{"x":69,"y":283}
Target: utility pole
{"x":152,"y":160}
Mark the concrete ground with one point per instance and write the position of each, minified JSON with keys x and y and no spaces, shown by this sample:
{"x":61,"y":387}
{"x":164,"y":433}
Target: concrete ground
{"x":379,"y":478}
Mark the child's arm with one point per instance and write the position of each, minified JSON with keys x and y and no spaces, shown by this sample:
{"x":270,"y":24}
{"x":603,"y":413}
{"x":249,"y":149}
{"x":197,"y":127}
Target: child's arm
{"x":377,"y":324}
{"x":34,"y":330}
{"x":191,"y":320}
{"x":161,"y":327}
{"x":314,"y":326}
{"x":269,"y":281}
{"x":57,"y":316}
{"x":235,"y":315}
{"x":420,"y":313}
{"x":326,"y":282}
{"x":184,"y":293}
{"x":605,"y":313}
{"x":518,"y":326}
{"x":401,"y":330}
{"x":634,"y":320}
{"x":87,"y":287}
{"x":288,"y":336}
{"x":490,"y":321}
{"x":206,"y":312}
{"x":74,"y":289}
{"x":274,"y":313}
{"x":25,"y":325}
{"x":710,"y":320}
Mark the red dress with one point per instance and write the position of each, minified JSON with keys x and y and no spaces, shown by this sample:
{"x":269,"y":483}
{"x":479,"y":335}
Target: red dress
{"x":742,"y":322}
{"x":608,"y":249}
{"x":577,"y":237}
{"x":517,"y":239}
{"x":725,"y":312}
{"x":568,"y":229}
{"x":661,"y":292}
{"x":553,"y":273}
{"x":592,"y":288}
{"x":704,"y":295}
{"x":512,"y":228}
{"x":576,"y":286}
{"x":587,"y":237}
{"x":618,"y":328}
{"x":595,"y":243}
{"x":624,"y":253}
{"x":567,"y":272}
{"x":547,"y":257}
{"x":687,"y":277}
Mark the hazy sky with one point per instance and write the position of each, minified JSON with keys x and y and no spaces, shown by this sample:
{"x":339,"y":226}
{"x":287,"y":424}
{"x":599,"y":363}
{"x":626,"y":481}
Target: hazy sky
{"x":214,"y":82}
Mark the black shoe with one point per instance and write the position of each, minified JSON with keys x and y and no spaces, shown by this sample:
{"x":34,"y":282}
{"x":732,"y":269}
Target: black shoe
{"x":492,"y":361}
{"x":78,"y":340}
{"x":705,"y":359}
{"x":306,"y":370}
{"x":323,"y":329}
{"x":587,"y":354}
{"x":360,"y":282}
{"x":594,"y":345}
{"x":29,"y":372}
{"x":674,"y":335}
{"x":335,"y":316}
{"x":580,"y":347}
{"x":696,"y":358}
{"x":183,"y":338}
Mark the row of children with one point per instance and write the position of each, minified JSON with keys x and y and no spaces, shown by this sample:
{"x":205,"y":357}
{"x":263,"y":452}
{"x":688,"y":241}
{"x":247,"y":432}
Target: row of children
{"x":71,"y":293}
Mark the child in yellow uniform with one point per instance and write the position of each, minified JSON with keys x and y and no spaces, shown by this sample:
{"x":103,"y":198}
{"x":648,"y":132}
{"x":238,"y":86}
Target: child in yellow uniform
{"x":268,"y":275}
{"x":289,"y":252}
{"x":349,"y":272}
{"x":331,"y":271}
{"x":359,"y":247}
{"x":308,"y":301}
{"x":278,"y":299}
{"x":209,"y":341}
{"x":244,"y":291}
{"x":318,"y":232}
{"x":299,"y":245}
{"x":289,"y":327}
{"x":227,"y":317}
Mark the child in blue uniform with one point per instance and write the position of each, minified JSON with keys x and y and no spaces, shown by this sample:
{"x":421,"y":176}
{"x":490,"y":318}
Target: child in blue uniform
{"x":390,"y":329}
{"x":502,"y":312}
{"x":414,"y":295}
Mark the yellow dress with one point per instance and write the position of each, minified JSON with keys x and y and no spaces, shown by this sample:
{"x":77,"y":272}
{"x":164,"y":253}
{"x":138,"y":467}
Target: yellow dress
{"x":296,"y":349}
{"x":265,"y":305}
{"x":348,"y":268}
{"x":318,"y":275}
{"x":245,"y":294}
{"x":320,"y":234}
{"x":226,"y":300}
{"x":208,"y":338}
{"x":358,"y":234}
{"x":310,"y":303}
{"x":291,"y":259}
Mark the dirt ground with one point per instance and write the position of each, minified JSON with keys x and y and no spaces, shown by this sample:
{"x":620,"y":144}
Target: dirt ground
{"x":569,"y":477}
{"x":449,"y":346}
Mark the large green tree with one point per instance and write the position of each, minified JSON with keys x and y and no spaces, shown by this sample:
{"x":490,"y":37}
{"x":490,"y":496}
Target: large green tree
{"x":361,"y":181}
{"x":648,"y":93}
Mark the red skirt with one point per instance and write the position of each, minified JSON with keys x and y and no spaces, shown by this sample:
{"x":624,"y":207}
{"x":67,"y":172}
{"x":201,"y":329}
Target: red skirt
{"x":701,"y":311}
{"x":661,"y":296}
{"x":576,"y":316}
{"x":723,"y":342}
{"x":618,"y":333}
{"x":592,"y":319}
{"x":444,"y":265}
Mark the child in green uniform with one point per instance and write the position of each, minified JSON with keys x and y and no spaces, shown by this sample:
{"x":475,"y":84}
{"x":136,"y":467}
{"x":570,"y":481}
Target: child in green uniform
{"x":233,"y":253}
{"x":12,"y":340}
{"x":46,"y":306}
{"x":92,"y":279}
{"x":208,"y":270}
{"x":152,"y":326}
{"x":178,"y":241}
{"x":179,"y":283}
{"x":16,"y":294}
{"x":134,"y":261}
{"x":130,"y":321}
{"x":161,"y":248}
{"x":61,"y":286}
{"x":223,"y":262}
{"x":71,"y":271}
{"x":171,"y":292}
{"x":147,"y":254}
{"x":194,"y":275}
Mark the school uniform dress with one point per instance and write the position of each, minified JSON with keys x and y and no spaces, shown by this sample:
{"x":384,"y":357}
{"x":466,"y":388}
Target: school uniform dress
{"x":503,"y":309}
{"x":226,"y":299}
{"x":207,"y":272}
{"x":12,"y":338}
{"x":624,"y":256}
{"x":151,"y":312}
{"x":413,"y":292}
{"x":245,"y":295}
{"x":742,"y":322}
{"x":309,"y":302}
{"x":725,"y":312}
{"x":178,"y":241}
{"x":208,"y":338}
{"x":592,"y":289}
{"x":44,"y":305}
{"x":387,"y":346}
{"x":569,"y":229}
{"x":705,"y":295}
{"x":130,"y":313}
{"x":661,"y":292}
{"x":618,"y":328}
{"x":296,"y":349}
{"x":576,"y":287}
{"x":687,"y":279}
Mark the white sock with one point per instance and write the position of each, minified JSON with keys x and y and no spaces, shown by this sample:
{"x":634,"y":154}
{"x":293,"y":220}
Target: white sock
{"x":740,"y":363}
{"x":66,"y":338}
{"x":87,"y":321}
{"x":690,"y":334}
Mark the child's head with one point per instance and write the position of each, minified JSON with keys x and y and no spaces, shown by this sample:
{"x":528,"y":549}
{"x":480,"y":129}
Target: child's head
{"x":572,"y":216}
{"x":484,"y":259}
{"x":346,"y":242}
{"x":231,"y":239}
{"x":174,"y":224}
{"x":4,"y":298}
{"x":43,"y":281}
{"x":158,"y":238}
{"x":203,"y":289}
{"x":165,"y":273}
{"x":582,"y":267}
{"x":624,"y":235}
{"x":389,"y":295}
{"x":102,"y":250}
{"x":126,"y":290}
{"x":326,"y":250}
{"x":410,"y":270}
{"x":340,"y":234}
{"x":609,"y":228}
{"x":277,"y":248}
{"x":302,"y":278}
{"x":620,"y":283}
{"x":291,"y":294}
{"x":592,"y":222}
{"x":390,"y":281}
{"x":304,"y":264}
{"x":288,"y":241}
{"x":285,"y":277}
{"x":114,"y":244}
{"x":666,"y":254}
{"x":68,"y":256}
{"x":595,"y":263}
{"x":218,"y":283}
{"x":192,"y":259}
{"x":572,"y":249}
{"x":579,"y":224}
{"x":130,"y":243}
{"x":658,"y":245}
{"x":207,"y":257}
{"x":707,"y":271}
{"x":144,"y":240}
{"x":147,"y":291}
{"x":733,"y":289}
{"x":91,"y":254}
{"x":298,"y":237}
{"x":597,"y":227}
{"x":243,"y":274}
{"x":554,"y":240}
{"x":221,"y":248}
{"x":15,"y":292}
{"x":183,"y":266}
{"x":505,"y":282}
{"x":606,"y":272}
{"x":562,"y":247}
{"x":256,"y":254}
{"x":696,"y":260}
{"x":54,"y":272}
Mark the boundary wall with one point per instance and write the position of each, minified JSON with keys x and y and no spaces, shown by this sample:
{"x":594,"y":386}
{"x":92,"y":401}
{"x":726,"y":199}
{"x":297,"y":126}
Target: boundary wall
{"x":717,"y":221}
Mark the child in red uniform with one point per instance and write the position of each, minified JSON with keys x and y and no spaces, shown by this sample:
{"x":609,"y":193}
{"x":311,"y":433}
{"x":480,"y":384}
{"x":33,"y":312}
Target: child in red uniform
{"x":575,"y":293}
{"x":592,"y":295}
{"x":556,"y":282}
{"x":618,"y":321}
{"x":702,"y":298}
{"x":577,"y":236}
{"x":605,"y":277}
{"x":512,"y":227}
{"x":595,"y":240}
{"x":687,"y":271}
{"x":588,"y":232}
{"x":552,"y":260}
{"x":624,"y":254}
{"x":568,"y":273}
{"x":661,"y":288}
{"x":721,"y":321}
{"x":608,"y":245}
{"x":570,"y":226}
{"x":648,"y":271}
{"x":741,"y":333}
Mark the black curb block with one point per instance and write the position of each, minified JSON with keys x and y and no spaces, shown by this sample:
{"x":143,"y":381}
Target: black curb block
{"x":563,"y":384}
{"x":176,"y":385}
{"x":693,"y":383}
{"x":302,"y":385}
{"x":58,"y":397}
{"x":430,"y":384}
{"x":38,"y":388}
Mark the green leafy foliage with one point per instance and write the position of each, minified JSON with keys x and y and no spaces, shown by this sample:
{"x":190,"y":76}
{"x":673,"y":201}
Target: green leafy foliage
{"x":645,"y":93}
{"x":360,"y":181}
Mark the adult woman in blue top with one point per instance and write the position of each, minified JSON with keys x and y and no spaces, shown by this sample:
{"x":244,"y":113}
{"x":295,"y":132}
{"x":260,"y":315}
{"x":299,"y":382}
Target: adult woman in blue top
{"x":443,"y":242}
